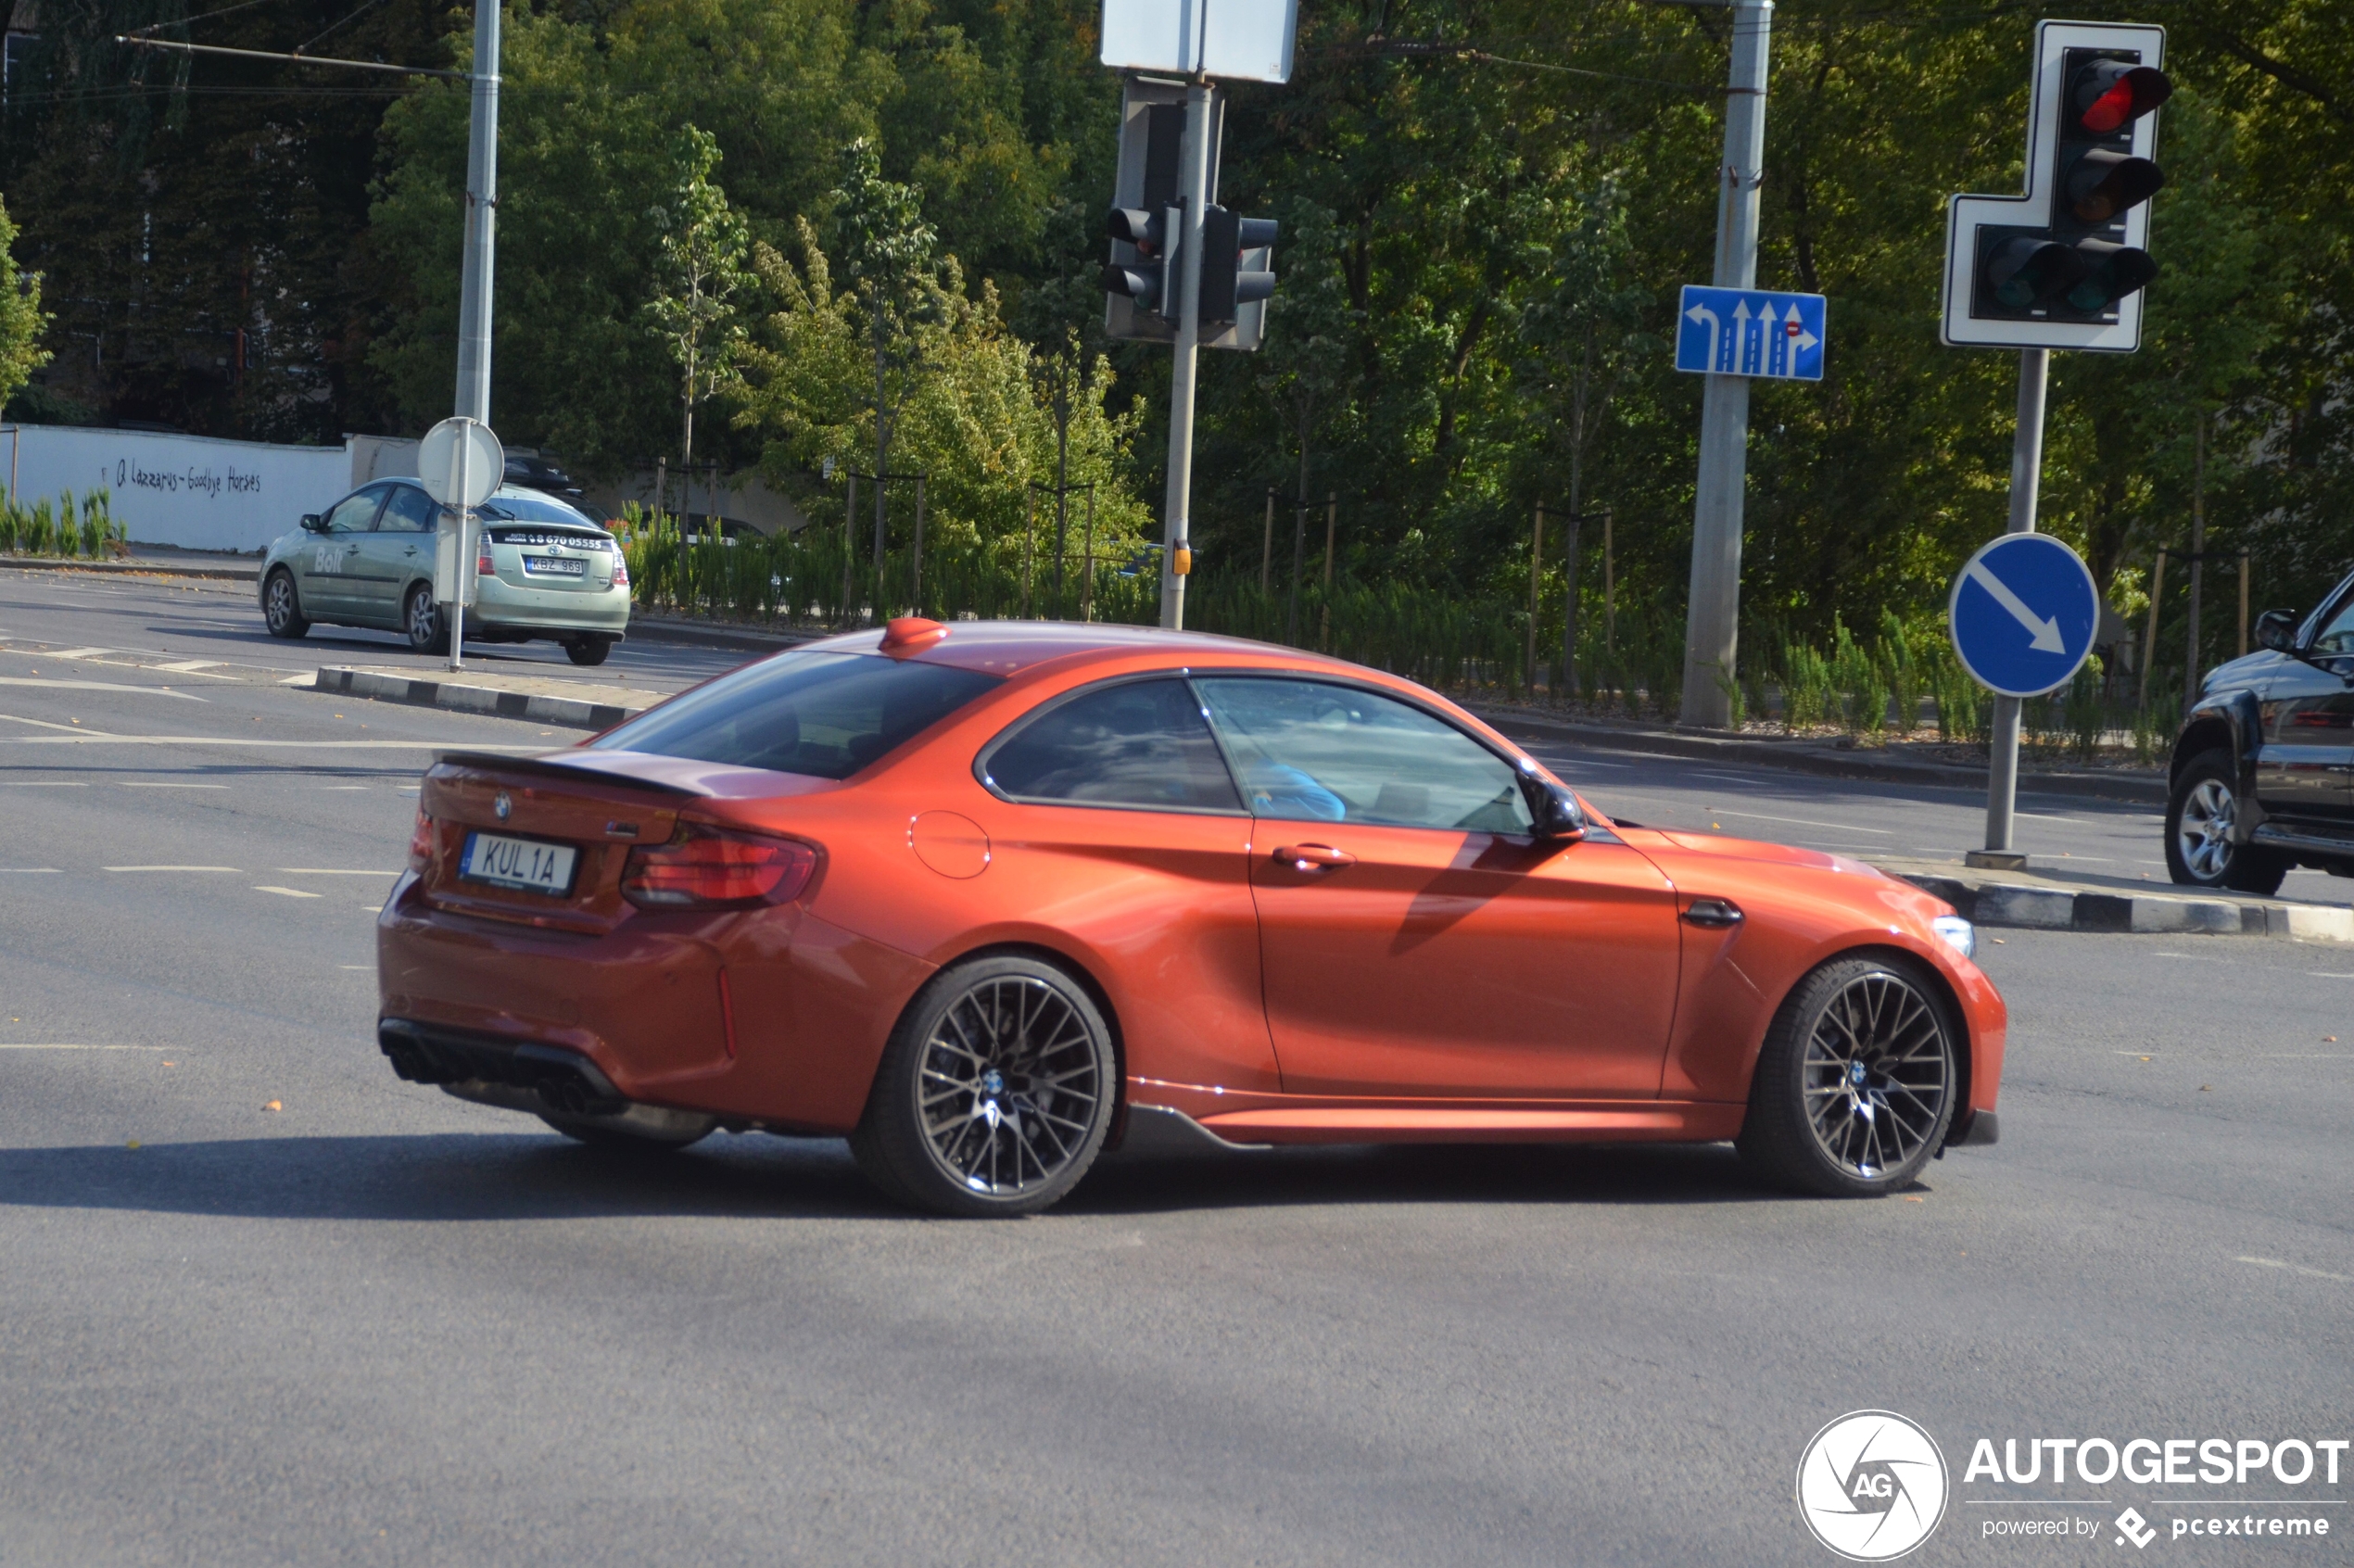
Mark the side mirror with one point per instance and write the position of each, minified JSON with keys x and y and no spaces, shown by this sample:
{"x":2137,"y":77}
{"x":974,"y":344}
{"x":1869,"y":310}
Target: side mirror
{"x":2276,"y":629}
{"x":313,"y":524}
{"x":1556,"y":810}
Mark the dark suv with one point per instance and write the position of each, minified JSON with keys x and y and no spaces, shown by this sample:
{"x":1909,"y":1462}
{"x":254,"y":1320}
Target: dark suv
{"x":2263,"y":774}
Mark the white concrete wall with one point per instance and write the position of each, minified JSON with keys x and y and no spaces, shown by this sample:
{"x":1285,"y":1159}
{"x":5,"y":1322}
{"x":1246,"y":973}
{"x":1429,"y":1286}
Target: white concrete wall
{"x":191,"y":492}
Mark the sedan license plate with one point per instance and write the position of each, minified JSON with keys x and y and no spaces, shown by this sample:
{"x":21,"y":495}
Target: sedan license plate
{"x":554,"y":565}
{"x":526,"y":865}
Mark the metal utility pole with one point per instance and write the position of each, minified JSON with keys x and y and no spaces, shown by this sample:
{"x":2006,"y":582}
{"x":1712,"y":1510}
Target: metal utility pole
{"x":2197,"y":655}
{"x":2027,"y":470}
{"x":1193,"y":194}
{"x":482,"y":215}
{"x":1712,"y":623}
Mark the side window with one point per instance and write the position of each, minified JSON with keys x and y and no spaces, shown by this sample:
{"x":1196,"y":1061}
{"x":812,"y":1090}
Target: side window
{"x":2337,"y":636}
{"x":1138,"y":743}
{"x":410,"y":511}
{"x":1308,"y":752}
{"x":354,"y":513}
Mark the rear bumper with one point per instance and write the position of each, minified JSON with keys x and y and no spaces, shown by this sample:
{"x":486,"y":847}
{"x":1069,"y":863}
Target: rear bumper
{"x":564,"y":1081}
{"x":501,"y":603}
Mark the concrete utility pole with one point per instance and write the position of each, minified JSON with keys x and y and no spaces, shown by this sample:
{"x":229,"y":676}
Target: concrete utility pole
{"x":1712,"y":625}
{"x":1193,"y":194}
{"x":482,"y":212}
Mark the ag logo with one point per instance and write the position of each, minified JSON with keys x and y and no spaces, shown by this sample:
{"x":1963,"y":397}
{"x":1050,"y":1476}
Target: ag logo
{"x":1871,"y":1485}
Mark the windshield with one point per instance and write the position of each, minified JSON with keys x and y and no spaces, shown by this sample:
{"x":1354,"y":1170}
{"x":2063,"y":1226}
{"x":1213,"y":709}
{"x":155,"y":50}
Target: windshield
{"x":826,"y":714}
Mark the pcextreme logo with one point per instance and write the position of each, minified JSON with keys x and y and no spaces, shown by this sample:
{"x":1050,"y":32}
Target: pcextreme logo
{"x":1872,"y":1486}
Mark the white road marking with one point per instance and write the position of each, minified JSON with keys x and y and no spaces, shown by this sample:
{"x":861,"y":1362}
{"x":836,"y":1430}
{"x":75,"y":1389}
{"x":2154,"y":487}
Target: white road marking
{"x":30,"y":871}
{"x":44,"y":784}
{"x":2295,"y":1269}
{"x":230,"y":869}
{"x":76,"y":730}
{"x":73,"y":653}
{"x":332,"y":787}
{"x":1805,"y":822}
{"x":287,"y":892}
{"x":308,"y":677}
{"x":355,"y":966}
{"x":13,"y":1047}
{"x":148,"y":784}
{"x":189,"y":666}
{"x":99,"y":685}
{"x":326,"y":871}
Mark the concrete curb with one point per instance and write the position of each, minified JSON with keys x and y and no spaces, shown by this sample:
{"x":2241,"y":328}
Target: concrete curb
{"x":134,"y":568}
{"x":1803,"y":757}
{"x":570,"y":713}
{"x":2043,"y":908}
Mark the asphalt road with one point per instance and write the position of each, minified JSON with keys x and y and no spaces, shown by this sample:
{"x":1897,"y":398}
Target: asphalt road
{"x":379,"y":1326}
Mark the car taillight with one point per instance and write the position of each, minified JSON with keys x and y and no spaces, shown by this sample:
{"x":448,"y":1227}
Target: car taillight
{"x":420,"y":843}
{"x":620,"y":571}
{"x":484,"y":566}
{"x":707,"y":868}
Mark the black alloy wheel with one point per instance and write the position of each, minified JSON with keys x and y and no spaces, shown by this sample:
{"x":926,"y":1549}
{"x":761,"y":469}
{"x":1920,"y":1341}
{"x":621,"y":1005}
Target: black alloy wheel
{"x":994,"y":1094}
{"x":1856,"y":1084}
{"x":421,"y":620}
{"x":2202,"y":813}
{"x":281,"y":609}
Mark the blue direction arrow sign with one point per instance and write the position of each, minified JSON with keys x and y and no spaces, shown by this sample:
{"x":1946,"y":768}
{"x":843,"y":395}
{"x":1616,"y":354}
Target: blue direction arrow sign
{"x":1749,"y":332}
{"x":2023,"y":613}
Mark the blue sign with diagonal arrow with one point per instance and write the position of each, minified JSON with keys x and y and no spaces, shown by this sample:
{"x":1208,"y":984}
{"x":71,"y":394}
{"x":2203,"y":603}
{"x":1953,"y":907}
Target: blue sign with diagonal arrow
{"x":1749,"y":332}
{"x":2023,"y":613}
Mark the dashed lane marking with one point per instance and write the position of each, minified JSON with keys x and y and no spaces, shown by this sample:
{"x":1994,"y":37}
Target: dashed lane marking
{"x":44,"y":784}
{"x":286,"y":892}
{"x":30,"y":871}
{"x":233,"y":871}
{"x":331,"y":871}
{"x":11,"y":1046}
{"x":1805,"y":822}
{"x":2295,"y":1269}
{"x":154,"y":784}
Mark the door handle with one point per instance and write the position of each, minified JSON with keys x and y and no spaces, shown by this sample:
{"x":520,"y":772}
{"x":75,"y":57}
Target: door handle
{"x":1313,"y":857}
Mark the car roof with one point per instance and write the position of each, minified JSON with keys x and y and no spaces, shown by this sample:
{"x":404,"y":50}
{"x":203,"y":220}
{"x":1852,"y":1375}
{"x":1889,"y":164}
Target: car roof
{"x":1008,"y":648}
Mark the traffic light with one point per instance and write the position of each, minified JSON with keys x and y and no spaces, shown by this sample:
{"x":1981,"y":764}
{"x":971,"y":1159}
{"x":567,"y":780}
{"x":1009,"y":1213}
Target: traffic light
{"x":2076,"y":265}
{"x":1236,"y":264}
{"x":1151,"y":278}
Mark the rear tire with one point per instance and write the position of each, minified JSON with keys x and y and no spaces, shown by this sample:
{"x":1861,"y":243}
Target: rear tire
{"x":422,"y":621}
{"x":587,"y":651}
{"x":2201,"y":812}
{"x":1856,"y":1087}
{"x":282,"y":606}
{"x":995,"y":1092}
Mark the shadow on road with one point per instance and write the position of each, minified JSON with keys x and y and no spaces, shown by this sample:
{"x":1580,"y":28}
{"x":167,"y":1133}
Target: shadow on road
{"x":507,"y":1177}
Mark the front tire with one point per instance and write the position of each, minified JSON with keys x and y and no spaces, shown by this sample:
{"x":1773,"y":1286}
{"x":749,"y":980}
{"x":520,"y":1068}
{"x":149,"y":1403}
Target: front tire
{"x":282,"y":607}
{"x":422,"y":622}
{"x":2201,"y":815}
{"x":994,"y":1094}
{"x":1855,"y":1086}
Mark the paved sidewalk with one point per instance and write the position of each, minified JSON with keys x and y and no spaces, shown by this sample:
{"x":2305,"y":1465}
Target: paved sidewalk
{"x":1823,"y":757}
{"x":2047,"y":901}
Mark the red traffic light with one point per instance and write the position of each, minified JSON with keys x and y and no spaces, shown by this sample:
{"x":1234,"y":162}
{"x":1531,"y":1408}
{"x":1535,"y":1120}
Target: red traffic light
{"x":2108,"y":95}
{"x":1138,"y":226}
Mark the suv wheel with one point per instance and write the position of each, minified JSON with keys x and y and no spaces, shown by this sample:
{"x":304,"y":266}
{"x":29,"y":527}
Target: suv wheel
{"x":281,"y":609}
{"x":994,"y":1094}
{"x":2200,"y":816}
{"x":421,"y":619}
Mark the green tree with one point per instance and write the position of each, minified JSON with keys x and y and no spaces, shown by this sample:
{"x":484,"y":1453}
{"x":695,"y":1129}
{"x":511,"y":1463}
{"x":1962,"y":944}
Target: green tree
{"x":891,"y":259}
{"x":704,"y":246}
{"x":1304,"y":365}
{"x":21,"y":318}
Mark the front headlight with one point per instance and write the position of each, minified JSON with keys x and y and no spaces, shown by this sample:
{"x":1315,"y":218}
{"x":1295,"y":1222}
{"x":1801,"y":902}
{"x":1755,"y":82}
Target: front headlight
{"x":1959,"y":934}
